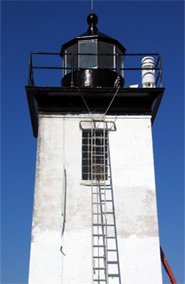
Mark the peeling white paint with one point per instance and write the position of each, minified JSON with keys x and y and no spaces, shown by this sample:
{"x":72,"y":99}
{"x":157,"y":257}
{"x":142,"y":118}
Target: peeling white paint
{"x":59,"y":148}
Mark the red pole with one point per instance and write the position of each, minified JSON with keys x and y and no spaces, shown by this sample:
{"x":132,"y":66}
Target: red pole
{"x":167,"y":267}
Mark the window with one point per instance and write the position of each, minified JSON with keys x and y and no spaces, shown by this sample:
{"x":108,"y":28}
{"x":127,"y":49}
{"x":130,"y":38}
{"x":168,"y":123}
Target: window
{"x":94,"y":154}
{"x":87,"y":48}
{"x":106,"y":55}
{"x":120,"y":61}
{"x":70,"y":58}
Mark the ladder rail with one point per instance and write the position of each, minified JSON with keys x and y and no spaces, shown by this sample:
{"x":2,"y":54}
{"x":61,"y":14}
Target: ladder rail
{"x":105,"y":255}
{"x":104,"y":229}
{"x":99,"y":209}
{"x":105,"y":197}
{"x":92,"y":229}
{"x":114,"y":217}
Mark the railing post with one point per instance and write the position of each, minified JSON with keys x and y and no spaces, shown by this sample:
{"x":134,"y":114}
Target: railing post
{"x":117,"y":55}
{"x":64,"y":64}
{"x":30,"y":72}
{"x":72,"y":70}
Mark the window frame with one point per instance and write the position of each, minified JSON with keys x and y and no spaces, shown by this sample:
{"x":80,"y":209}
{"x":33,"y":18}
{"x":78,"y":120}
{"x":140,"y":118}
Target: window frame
{"x":99,"y":155}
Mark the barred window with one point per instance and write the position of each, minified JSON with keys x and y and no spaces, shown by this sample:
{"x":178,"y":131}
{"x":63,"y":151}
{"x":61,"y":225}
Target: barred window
{"x":94,"y":154}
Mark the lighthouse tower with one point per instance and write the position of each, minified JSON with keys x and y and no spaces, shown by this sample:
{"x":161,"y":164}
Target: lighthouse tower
{"x":95,"y":214}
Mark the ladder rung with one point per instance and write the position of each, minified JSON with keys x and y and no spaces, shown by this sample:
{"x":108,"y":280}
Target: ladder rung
{"x":111,"y":250}
{"x":109,"y":188}
{"x":97,"y":257}
{"x":99,"y":235}
{"x":102,"y":280}
{"x":111,"y":237}
{"x":112,"y":262}
{"x":98,"y":193}
{"x":108,"y":225}
{"x":101,"y":192}
{"x":100,"y":203}
{"x":108,"y":213}
{"x":113,"y":275}
{"x":102,"y":213}
{"x":99,"y":246}
{"x":99,"y":268}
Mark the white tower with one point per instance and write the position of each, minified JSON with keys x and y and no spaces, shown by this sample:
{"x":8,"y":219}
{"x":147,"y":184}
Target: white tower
{"x":95,"y":215}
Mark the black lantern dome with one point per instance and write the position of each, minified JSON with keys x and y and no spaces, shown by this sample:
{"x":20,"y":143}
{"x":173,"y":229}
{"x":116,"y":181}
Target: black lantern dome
{"x":92,"y":59}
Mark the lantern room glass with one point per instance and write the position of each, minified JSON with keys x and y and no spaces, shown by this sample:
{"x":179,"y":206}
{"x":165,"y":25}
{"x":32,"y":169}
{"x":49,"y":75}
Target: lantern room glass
{"x":95,"y":54}
{"x":120,"y":63}
{"x":106,"y":56}
{"x":70,"y":59}
{"x":87,"y":53}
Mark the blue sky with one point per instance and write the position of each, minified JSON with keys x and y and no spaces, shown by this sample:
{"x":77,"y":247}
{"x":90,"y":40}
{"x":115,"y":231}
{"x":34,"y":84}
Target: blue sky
{"x":148,"y":26}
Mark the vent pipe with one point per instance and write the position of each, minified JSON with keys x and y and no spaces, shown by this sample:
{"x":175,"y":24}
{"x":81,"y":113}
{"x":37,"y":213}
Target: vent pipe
{"x":148,"y":75}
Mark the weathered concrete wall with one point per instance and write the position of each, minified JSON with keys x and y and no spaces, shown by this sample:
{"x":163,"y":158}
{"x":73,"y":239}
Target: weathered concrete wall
{"x":59,"y":148}
{"x":135,"y":199}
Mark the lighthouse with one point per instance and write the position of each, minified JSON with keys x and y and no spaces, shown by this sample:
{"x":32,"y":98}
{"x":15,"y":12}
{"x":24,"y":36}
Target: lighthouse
{"x":95,"y":213}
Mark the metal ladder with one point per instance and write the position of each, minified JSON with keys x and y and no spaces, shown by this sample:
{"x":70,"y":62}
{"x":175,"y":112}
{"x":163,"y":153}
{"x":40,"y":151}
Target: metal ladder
{"x":105,"y":257}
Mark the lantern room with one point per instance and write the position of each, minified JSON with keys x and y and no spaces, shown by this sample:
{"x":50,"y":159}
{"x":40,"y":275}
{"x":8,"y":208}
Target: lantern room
{"x":92,"y":59}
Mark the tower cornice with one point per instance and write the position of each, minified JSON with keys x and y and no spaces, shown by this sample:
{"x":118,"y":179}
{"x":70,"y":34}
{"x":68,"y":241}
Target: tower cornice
{"x":129,"y":101}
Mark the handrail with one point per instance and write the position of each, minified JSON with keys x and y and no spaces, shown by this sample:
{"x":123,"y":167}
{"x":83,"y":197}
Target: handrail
{"x":125,"y":54}
{"x":72,"y":67}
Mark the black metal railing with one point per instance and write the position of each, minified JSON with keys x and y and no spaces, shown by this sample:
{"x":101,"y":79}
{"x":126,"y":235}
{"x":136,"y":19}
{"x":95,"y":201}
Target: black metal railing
{"x":127,"y":65}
